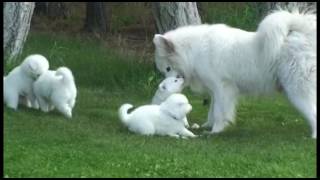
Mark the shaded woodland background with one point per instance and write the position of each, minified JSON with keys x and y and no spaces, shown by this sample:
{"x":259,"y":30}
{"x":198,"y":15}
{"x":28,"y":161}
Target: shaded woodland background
{"x":130,"y":26}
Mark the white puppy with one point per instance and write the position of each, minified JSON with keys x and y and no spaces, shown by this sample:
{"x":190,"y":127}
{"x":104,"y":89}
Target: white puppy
{"x":17,"y":85}
{"x":164,"y":119}
{"x":167,"y":87}
{"x":226,"y":62}
{"x":56,"y":89}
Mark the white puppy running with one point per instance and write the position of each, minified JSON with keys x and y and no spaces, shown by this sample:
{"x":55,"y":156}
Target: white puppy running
{"x":17,"y":85}
{"x":56,"y":89}
{"x":167,"y":87}
{"x":164,"y":119}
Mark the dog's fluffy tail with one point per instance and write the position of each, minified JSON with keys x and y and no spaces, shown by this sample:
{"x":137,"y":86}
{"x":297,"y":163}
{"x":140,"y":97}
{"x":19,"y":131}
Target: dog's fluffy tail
{"x":274,"y":29}
{"x":65,"y":74}
{"x":123,"y":113}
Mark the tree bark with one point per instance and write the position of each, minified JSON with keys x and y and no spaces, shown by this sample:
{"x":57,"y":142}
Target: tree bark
{"x":16,"y":24}
{"x":96,"y":17}
{"x":53,"y":10}
{"x":170,"y":15}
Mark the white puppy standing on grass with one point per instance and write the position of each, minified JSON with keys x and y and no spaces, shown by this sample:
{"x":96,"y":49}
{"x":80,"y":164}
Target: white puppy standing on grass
{"x":164,"y":119}
{"x":56,"y":89}
{"x":17,"y":85}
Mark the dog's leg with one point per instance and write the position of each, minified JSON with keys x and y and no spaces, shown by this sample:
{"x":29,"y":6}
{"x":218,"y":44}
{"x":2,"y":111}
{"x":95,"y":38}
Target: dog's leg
{"x":51,"y":107}
{"x":72,"y":102}
{"x":12,"y":100}
{"x":209,"y":122}
{"x":25,"y":101}
{"x":43,"y":104}
{"x":224,"y":107}
{"x":186,"y":133}
{"x":306,"y":105}
{"x":65,"y":110}
{"x":174,"y":135}
{"x":33,"y":100}
{"x":186,"y":123}
{"x":297,"y":76}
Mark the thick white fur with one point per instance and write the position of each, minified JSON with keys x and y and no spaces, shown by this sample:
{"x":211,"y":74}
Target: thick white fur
{"x":164,"y":119}
{"x":17,"y":85}
{"x":226,"y":62}
{"x":56,"y":89}
{"x":167,"y":87}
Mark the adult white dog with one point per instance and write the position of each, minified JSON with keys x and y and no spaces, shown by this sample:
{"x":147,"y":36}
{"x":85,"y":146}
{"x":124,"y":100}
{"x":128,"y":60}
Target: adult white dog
{"x":225,"y":62}
{"x":56,"y":89}
{"x":164,"y":119}
{"x":17,"y":85}
{"x":167,"y":87}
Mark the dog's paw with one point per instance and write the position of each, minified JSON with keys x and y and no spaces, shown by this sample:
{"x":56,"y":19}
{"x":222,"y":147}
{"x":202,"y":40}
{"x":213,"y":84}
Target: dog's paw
{"x":207,"y":125}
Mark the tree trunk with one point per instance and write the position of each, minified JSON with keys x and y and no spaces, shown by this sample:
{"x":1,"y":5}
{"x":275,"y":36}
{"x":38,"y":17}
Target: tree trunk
{"x":53,"y":10}
{"x":170,"y":15}
{"x":16,"y":25}
{"x":96,"y":18}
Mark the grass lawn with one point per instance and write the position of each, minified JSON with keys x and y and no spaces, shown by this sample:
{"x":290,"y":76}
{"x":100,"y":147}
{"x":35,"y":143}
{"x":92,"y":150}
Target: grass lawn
{"x":269,"y":139}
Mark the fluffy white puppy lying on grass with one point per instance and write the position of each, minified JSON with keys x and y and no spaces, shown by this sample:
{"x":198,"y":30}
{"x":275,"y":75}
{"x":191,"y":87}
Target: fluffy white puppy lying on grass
{"x":164,"y":119}
{"x":56,"y":89}
{"x":17,"y":85}
{"x":167,"y":87}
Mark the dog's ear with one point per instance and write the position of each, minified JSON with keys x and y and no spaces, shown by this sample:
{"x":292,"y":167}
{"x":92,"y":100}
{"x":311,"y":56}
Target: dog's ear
{"x":163,"y":43}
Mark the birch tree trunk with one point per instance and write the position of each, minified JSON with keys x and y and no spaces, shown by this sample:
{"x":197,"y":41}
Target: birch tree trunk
{"x":170,"y":15}
{"x":16,"y":25}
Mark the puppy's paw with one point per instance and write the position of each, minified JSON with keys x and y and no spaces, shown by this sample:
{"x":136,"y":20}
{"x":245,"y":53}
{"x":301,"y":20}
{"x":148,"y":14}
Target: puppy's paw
{"x":195,"y":136}
{"x":183,"y":137}
{"x":69,"y":115}
{"x":195,"y":126}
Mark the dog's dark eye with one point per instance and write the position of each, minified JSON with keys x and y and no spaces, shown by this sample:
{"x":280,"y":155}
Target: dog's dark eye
{"x":176,"y":80}
{"x":168,"y":69}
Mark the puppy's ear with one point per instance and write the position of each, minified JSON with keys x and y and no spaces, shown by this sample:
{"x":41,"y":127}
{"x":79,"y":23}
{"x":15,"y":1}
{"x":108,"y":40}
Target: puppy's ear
{"x":162,"y":87}
{"x":59,"y":77}
{"x":178,"y":113}
{"x":163,"y":43}
{"x":32,"y":66}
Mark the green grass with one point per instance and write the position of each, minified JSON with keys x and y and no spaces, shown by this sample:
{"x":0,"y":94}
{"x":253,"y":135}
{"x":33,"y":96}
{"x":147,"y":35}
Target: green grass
{"x":269,"y":139}
{"x":242,"y":15}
